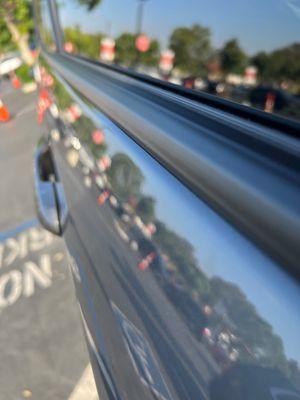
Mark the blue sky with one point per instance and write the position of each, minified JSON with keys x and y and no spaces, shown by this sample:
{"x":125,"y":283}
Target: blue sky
{"x":259,"y":24}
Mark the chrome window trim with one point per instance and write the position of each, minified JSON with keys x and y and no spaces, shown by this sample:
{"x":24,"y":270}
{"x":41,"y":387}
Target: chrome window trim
{"x":56,"y":26}
{"x":248,"y":173}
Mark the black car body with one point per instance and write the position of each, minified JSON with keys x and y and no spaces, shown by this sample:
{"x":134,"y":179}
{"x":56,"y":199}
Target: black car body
{"x":259,"y":96}
{"x":181,"y":216}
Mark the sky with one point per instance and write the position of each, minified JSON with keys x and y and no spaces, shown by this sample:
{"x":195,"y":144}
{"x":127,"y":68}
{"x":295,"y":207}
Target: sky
{"x":258,"y":24}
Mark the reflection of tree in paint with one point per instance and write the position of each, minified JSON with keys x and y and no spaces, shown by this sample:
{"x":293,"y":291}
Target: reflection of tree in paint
{"x":125,"y":178}
{"x":84,"y":128}
{"x":181,"y":252}
{"x":257,"y":339}
{"x":191,"y":291}
{"x":145,"y":208}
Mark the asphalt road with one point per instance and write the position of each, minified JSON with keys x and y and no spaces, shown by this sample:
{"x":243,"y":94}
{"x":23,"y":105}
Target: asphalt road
{"x":42,"y":348}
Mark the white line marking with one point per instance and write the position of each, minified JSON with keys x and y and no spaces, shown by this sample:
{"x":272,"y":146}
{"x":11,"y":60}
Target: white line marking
{"x":25,"y":110}
{"x":85,"y":388}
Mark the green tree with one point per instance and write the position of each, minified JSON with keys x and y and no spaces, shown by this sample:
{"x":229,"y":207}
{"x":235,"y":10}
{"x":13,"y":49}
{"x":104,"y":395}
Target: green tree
{"x":150,"y":58}
{"x":84,"y":43}
{"x":192,"y":48}
{"x":16,"y":26}
{"x":285,"y":63}
{"x":126,"y":52}
{"x":279,"y":65}
{"x":125,"y":49}
{"x":145,"y":208}
{"x":6,"y":44}
{"x":261,"y":61}
{"x":233,"y":58}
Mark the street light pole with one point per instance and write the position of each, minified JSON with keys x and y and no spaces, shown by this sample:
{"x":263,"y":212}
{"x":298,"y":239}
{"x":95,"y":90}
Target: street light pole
{"x":139,"y":16}
{"x":139,"y":23}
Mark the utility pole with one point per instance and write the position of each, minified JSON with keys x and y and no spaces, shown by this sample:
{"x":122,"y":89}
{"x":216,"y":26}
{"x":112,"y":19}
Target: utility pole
{"x":108,"y":28}
{"x":139,"y":16}
{"x":139,"y":24}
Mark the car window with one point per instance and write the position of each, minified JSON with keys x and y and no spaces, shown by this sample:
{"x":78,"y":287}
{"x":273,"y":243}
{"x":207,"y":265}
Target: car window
{"x":45,"y":25}
{"x":227,"y":49}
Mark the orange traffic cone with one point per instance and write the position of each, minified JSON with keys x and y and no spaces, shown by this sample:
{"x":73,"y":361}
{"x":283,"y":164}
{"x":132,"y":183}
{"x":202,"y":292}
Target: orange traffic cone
{"x":4,"y":113}
{"x":15,"y":81}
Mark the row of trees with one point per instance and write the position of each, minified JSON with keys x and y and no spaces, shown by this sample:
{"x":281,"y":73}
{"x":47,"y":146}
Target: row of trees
{"x":126,"y":53}
{"x":281,"y":64}
{"x":193,"y":47}
{"x":194,"y":53}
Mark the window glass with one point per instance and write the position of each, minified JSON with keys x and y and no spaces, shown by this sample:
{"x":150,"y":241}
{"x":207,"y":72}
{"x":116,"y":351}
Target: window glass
{"x":45,"y":25}
{"x":246,"y":51}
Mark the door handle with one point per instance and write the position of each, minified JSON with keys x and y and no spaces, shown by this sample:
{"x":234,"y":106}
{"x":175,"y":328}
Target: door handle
{"x":51,"y":203}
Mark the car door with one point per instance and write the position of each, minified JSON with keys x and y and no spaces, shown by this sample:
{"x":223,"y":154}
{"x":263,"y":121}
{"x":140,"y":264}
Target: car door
{"x":180,"y":213}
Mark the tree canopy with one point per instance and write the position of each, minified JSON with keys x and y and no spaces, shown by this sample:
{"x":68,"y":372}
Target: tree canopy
{"x":84,"y":43}
{"x":145,"y":208}
{"x":125,"y":177}
{"x":233,"y":58}
{"x":126,"y":52}
{"x":16,"y":26}
{"x":279,"y":65}
{"x":192,"y":48}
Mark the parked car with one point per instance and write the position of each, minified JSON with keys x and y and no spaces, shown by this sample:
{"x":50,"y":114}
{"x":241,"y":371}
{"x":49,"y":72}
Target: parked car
{"x":260,"y":95}
{"x":180,"y":209}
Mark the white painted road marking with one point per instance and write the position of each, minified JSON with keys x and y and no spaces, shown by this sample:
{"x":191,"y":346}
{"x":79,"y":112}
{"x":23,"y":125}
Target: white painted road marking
{"x":16,"y":283}
{"x":17,"y":248}
{"x":22,"y":280}
{"x":85,"y":388}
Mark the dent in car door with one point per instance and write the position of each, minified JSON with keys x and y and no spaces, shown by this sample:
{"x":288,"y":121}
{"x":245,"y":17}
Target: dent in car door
{"x":176,"y":303}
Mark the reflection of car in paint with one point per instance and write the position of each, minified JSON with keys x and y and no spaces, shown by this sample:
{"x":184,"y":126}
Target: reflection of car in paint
{"x":181,"y":218}
{"x":251,"y":381}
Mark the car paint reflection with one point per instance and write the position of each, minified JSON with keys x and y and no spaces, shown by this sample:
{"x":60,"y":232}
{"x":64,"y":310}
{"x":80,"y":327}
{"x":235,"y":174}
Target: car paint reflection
{"x":220,"y":317}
